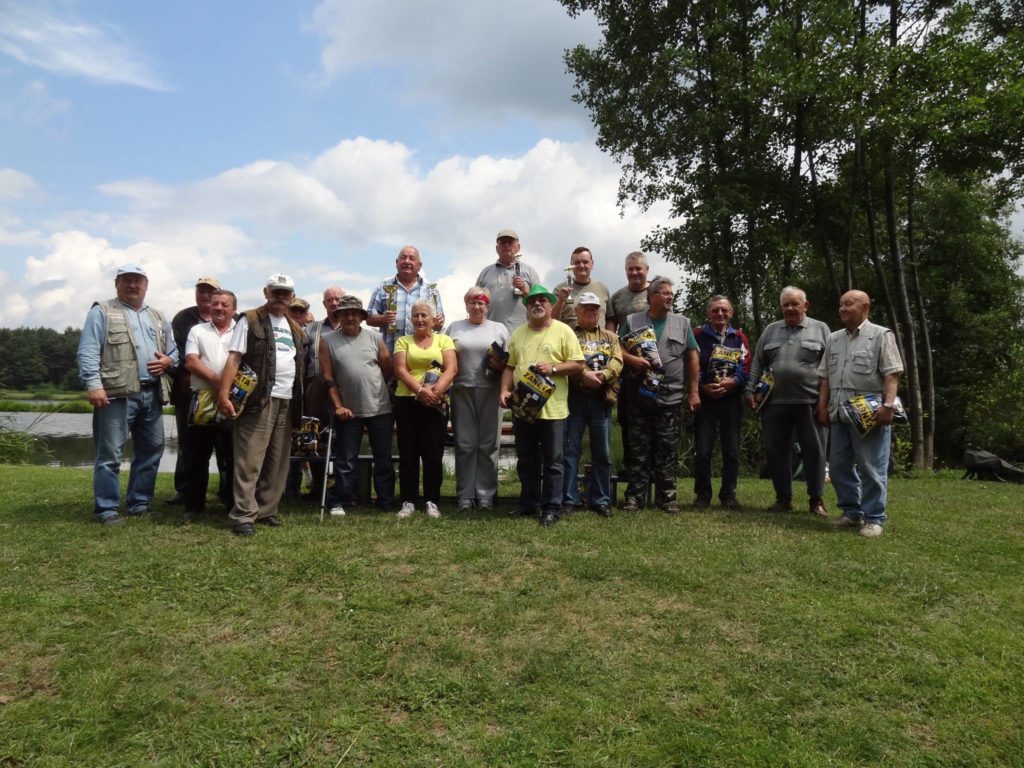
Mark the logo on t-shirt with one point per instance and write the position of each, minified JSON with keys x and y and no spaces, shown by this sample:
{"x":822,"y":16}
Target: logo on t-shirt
{"x":283,"y":340}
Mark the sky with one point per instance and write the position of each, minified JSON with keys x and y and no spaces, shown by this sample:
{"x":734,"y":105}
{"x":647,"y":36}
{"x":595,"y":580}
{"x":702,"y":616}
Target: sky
{"x":239,"y":139}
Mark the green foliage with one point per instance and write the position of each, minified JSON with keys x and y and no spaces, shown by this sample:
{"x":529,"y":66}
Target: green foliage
{"x":17,"y":447}
{"x":39,"y":358}
{"x":715,"y":639}
{"x":994,"y":418}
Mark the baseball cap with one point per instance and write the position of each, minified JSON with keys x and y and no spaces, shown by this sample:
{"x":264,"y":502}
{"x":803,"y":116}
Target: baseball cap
{"x":588,"y":297}
{"x":131,"y":269}
{"x":213,"y":282}
{"x":507,"y":233}
{"x":280,"y":281}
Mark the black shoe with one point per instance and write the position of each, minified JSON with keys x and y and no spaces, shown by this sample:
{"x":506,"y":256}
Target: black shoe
{"x":243,"y":529}
{"x":603,"y":510}
{"x":273,"y":521}
{"x":191,"y":515}
{"x":568,"y":509}
{"x":817,"y":508}
{"x":522,"y":512}
{"x":701,"y":502}
{"x":112,"y":520}
{"x":670,"y":508}
{"x":731,"y":503}
{"x":178,"y":498}
{"x":548,"y":519}
{"x":781,"y":505}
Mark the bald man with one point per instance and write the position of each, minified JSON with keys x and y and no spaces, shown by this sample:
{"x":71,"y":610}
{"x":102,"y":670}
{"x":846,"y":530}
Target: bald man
{"x":860,"y":359}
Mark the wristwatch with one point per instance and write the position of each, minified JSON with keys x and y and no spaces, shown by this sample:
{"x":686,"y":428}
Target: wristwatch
{"x":890,"y":406}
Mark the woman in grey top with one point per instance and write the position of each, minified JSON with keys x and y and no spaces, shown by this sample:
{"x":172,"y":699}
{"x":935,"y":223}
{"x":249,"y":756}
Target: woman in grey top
{"x":476,"y":415}
{"x":356,"y":365}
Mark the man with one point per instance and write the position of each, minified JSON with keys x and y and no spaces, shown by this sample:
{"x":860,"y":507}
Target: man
{"x":508,"y":280}
{"x":273,"y":345}
{"x":655,"y":416}
{"x":724,"y":354}
{"x":632,"y":297}
{"x":549,"y":348}
{"x":791,"y":349}
{"x":861,"y":359}
{"x":316,"y":402}
{"x":125,"y":349}
{"x":206,"y":352}
{"x":582,"y":263}
{"x":181,"y":392}
{"x":591,"y":393}
{"x":406,"y":287}
{"x":356,"y":367}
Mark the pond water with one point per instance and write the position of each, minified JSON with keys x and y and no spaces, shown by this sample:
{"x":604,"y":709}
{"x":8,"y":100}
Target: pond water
{"x":67,"y":439}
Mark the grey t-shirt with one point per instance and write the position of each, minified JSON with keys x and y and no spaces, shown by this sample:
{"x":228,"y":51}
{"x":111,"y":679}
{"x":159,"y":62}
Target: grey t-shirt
{"x":471,"y":344}
{"x":793,"y":354}
{"x":506,"y":307}
{"x":624,"y":303}
{"x":575,"y":289}
{"x":356,"y":367}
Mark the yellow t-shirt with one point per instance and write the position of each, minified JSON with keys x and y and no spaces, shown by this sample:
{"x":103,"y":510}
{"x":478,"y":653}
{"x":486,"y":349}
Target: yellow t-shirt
{"x":555,"y":344}
{"x":418,"y":360}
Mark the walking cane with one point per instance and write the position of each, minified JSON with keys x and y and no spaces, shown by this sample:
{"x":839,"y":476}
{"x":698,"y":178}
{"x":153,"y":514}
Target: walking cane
{"x":327,"y":468}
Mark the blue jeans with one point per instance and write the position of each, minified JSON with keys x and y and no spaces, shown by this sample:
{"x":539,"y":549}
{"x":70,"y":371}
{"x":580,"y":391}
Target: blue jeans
{"x":350,"y":438}
{"x":723,"y":416}
{"x":858,"y":466}
{"x":139,"y":416}
{"x":540,"y":464}
{"x":588,"y":412}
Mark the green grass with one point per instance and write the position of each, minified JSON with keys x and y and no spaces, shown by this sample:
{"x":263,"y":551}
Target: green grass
{"x":705,"y":639}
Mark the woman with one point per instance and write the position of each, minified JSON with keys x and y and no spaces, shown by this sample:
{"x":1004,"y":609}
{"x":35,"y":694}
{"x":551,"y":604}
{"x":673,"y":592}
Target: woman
{"x":476,"y":415}
{"x":420,"y":411}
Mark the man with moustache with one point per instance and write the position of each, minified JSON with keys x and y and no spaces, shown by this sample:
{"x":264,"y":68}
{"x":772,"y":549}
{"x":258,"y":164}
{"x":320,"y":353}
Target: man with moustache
{"x":655,"y":419}
{"x":792,"y":348}
{"x":409,"y":287}
{"x":124,"y":351}
{"x":181,"y":392}
{"x":582,"y":263}
{"x":206,"y":352}
{"x":274,"y":346}
{"x":551,"y":349}
{"x":860,"y":359}
{"x":508,"y":280}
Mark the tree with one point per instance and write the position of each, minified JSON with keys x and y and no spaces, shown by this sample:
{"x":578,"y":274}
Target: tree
{"x":778,"y":130}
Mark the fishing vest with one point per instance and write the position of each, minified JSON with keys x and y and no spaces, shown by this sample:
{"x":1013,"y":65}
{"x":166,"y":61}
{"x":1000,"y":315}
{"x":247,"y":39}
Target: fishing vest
{"x":119,"y":365}
{"x":260,"y":355}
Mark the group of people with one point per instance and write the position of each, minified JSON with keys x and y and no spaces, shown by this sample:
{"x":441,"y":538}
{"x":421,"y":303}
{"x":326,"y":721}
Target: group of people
{"x":560,"y":359}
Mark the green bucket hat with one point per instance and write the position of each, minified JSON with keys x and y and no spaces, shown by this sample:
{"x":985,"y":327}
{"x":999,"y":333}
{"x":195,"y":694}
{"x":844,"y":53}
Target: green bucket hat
{"x":539,"y":290}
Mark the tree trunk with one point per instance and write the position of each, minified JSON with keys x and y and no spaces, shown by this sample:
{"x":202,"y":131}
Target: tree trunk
{"x":922,"y":318}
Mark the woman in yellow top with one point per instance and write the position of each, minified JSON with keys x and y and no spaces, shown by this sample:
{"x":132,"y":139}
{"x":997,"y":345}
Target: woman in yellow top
{"x":420,"y":407}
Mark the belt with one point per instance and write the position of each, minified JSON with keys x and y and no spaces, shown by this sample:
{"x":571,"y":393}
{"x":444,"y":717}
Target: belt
{"x":149,"y":383}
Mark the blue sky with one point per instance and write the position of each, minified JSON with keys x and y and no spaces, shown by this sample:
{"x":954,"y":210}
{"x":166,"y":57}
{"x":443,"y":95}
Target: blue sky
{"x":316,"y":138}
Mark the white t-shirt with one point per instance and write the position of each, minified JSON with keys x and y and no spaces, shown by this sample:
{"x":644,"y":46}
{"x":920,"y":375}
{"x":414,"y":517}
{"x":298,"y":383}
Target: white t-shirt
{"x":284,"y":377}
{"x":206,"y":342}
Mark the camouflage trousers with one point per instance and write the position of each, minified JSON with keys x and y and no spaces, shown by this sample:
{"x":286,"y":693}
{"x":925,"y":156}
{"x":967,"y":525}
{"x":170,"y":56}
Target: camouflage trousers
{"x":654,"y":432}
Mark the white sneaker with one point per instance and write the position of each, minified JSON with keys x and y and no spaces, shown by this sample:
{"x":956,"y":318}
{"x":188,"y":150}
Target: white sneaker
{"x":485,"y":504}
{"x":870,"y":530}
{"x":407,"y":509}
{"x":432,"y":510}
{"x":337,"y":511}
{"x":465,"y":505}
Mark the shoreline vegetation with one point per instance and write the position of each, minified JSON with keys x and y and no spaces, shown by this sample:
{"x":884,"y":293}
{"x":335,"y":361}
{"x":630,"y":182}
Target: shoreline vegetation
{"x":712,"y":638}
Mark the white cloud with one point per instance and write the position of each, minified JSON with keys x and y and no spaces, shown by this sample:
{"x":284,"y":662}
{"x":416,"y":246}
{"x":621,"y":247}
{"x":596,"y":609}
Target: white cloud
{"x":15,"y":184}
{"x":340,"y":218}
{"x":486,"y":59}
{"x":35,"y":34}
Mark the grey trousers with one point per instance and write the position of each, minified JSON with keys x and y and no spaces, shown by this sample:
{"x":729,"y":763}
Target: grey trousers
{"x":476,"y":421}
{"x":262,"y":442}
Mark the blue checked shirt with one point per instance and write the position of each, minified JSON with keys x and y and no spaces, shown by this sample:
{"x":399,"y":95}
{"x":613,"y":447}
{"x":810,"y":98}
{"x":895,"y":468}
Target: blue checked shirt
{"x":404,"y":299}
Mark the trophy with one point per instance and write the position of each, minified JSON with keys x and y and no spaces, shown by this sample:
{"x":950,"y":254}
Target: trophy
{"x":568,"y":283}
{"x":519,"y":273}
{"x":391,"y":291}
{"x":432,"y":289}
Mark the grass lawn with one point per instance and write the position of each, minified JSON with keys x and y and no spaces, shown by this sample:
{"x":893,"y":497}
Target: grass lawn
{"x":706,"y":639}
